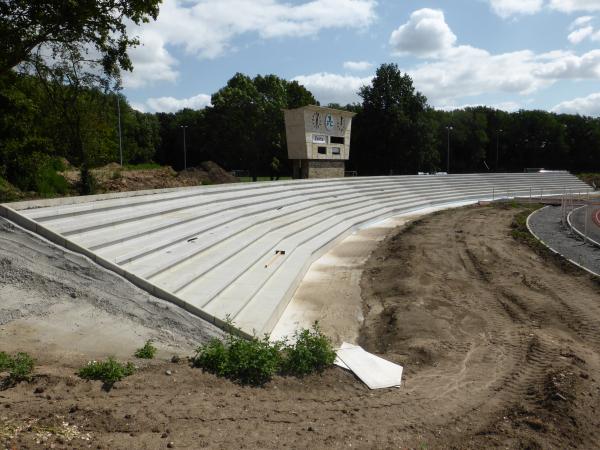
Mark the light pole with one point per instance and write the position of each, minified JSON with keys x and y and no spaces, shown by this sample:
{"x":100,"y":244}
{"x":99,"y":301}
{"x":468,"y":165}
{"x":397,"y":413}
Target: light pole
{"x":120,"y":140}
{"x":449,"y":128}
{"x":497,"y":146}
{"x":184,"y":148}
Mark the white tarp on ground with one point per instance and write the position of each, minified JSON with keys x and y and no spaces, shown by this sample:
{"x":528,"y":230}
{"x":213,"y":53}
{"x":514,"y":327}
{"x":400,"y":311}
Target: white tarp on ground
{"x":375,"y":372}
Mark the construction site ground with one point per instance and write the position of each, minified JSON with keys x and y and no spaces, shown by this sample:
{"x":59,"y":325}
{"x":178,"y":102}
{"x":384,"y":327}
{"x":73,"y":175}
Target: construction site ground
{"x":500,"y":343}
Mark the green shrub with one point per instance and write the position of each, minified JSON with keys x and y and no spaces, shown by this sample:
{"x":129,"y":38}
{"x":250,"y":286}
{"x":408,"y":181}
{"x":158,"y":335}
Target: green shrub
{"x":109,"y":371}
{"x":213,"y":357}
{"x":19,"y":367}
{"x":22,"y":367}
{"x":48,"y":182}
{"x":247,"y":361}
{"x":312,"y":351}
{"x":255,"y":361}
{"x":146,"y":352}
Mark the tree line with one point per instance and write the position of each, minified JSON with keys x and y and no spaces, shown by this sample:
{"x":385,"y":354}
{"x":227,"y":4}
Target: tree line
{"x":395,"y":131}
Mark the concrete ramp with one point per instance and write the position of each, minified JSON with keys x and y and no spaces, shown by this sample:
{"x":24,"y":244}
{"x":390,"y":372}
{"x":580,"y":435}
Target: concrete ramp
{"x":238,"y":251}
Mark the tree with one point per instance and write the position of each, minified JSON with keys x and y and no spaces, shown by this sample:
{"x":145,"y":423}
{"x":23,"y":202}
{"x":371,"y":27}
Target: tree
{"x":245,"y":126}
{"x":43,"y":33}
{"x":394,"y":131}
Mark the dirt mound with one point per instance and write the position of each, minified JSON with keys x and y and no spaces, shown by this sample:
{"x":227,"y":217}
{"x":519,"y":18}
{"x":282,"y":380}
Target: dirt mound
{"x":207,"y":173}
{"x":114,"y":178}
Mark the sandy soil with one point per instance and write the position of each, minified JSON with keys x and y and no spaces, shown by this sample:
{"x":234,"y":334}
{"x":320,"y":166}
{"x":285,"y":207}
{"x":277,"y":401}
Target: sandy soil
{"x":500,"y":348}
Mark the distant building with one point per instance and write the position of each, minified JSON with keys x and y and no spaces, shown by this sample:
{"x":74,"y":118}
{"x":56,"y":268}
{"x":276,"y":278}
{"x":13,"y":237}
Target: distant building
{"x":318,"y":141}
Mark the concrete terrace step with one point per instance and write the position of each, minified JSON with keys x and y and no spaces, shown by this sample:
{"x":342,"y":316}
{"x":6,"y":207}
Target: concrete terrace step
{"x":212,"y":248}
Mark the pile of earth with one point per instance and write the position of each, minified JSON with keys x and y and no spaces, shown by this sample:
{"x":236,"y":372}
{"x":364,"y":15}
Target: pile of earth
{"x":114,"y":178}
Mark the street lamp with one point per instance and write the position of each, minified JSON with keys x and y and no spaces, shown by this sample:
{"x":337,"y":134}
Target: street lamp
{"x":449,"y":128}
{"x":120,"y":140}
{"x":184,"y":148}
{"x":497,"y":145}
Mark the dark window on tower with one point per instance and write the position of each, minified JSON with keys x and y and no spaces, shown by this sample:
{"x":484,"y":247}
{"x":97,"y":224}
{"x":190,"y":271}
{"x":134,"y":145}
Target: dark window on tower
{"x":336,"y":140}
{"x":322,"y":150}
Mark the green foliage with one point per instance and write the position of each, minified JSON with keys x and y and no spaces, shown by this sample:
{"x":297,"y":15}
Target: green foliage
{"x":311,"y":352}
{"x":142,"y":166}
{"x":255,"y":361}
{"x":67,"y":29}
{"x":8,"y":193}
{"x":393,"y":131}
{"x":109,"y":371}
{"x":19,"y":367}
{"x":247,"y":361}
{"x":146,"y":352}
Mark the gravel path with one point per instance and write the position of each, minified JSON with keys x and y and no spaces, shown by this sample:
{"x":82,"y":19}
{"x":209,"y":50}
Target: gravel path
{"x":546,"y":224}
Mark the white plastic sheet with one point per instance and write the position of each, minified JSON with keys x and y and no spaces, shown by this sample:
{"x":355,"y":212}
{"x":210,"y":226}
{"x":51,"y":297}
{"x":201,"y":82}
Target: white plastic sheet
{"x":375,"y":372}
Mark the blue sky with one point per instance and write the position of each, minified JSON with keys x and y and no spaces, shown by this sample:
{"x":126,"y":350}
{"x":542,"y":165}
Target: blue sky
{"x":509,"y":54}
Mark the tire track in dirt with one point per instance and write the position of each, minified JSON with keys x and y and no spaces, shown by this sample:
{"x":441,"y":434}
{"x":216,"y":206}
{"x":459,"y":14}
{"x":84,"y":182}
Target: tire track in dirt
{"x":527,"y":321}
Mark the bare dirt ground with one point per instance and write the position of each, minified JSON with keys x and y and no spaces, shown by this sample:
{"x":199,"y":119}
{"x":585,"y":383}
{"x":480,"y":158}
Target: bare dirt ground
{"x":500,"y":348}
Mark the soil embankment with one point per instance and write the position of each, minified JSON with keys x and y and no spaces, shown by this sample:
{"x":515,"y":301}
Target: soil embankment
{"x":501,"y":348}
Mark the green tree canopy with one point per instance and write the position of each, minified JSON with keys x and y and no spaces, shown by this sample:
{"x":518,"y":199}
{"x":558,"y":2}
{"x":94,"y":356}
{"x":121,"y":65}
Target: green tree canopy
{"x":394,"y":131}
{"x":43,"y":33}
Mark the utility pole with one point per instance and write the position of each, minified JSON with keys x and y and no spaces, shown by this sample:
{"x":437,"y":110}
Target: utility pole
{"x":120,"y":139}
{"x":184,"y":148}
{"x":497,"y":146}
{"x":449,"y":128}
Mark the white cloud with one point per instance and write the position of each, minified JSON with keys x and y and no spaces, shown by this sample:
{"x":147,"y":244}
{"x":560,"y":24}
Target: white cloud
{"x":206,"y":28}
{"x":172,"y":104}
{"x":580,"y":34}
{"x":587,"y":106}
{"x":580,"y":22}
{"x":333,"y":88}
{"x":570,"y":6}
{"x":152,"y":63}
{"x":357,"y":66}
{"x":425,"y":34}
{"x":507,"y":8}
{"x":583,"y":29}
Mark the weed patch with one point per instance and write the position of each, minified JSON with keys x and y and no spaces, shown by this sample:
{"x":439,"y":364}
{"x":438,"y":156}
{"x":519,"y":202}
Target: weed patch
{"x":109,"y":371}
{"x":19,"y":367}
{"x":146,"y":352}
{"x":255,"y":361}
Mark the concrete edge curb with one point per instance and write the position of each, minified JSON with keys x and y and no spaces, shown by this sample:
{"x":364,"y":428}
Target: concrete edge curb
{"x":551,"y":249}
{"x":597,"y":244}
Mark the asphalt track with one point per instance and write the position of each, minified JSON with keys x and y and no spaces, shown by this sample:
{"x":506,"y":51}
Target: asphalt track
{"x":593,"y":226}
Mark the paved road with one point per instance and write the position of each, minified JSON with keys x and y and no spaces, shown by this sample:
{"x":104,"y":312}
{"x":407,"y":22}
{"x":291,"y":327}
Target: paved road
{"x":593,"y":226}
{"x":546,"y":224}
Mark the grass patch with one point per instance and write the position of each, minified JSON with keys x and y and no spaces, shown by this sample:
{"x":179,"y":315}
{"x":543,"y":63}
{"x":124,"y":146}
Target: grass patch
{"x":19,"y":367}
{"x":142,"y":166}
{"x":591,"y":178}
{"x":109,"y":371}
{"x":8,"y":192}
{"x":255,"y":361}
{"x":146,"y":352}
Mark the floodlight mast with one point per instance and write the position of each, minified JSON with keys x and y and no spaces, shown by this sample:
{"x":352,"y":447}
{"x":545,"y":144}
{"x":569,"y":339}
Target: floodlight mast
{"x":120,"y":139}
{"x":449,"y":128}
{"x":184,"y":148}
{"x":497,"y":146}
